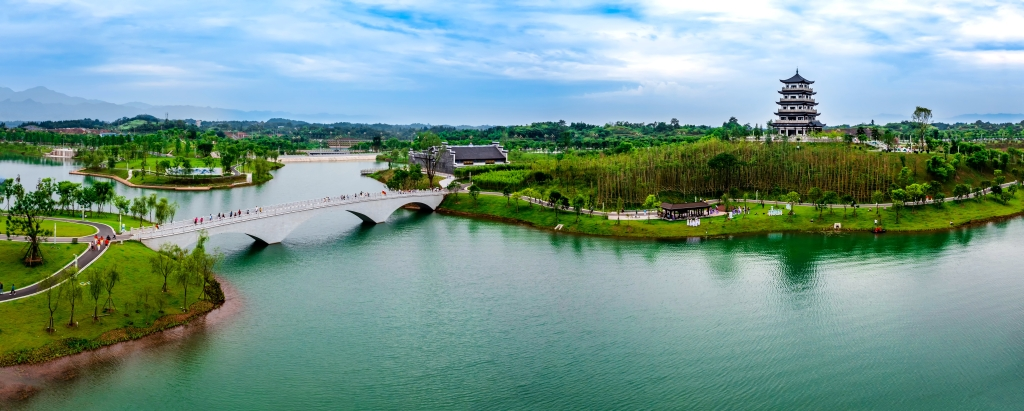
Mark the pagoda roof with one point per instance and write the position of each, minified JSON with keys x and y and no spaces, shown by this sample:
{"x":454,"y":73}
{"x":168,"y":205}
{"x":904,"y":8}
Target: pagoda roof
{"x":792,"y":102}
{"x":797,"y":78}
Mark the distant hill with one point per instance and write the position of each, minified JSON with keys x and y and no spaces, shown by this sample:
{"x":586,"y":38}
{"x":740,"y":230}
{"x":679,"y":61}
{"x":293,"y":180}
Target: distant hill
{"x":990,"y":118}
{"x":43,"y":104}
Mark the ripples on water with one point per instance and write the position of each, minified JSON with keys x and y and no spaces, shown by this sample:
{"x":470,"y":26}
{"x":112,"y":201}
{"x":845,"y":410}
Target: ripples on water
{"x":431,"y":311}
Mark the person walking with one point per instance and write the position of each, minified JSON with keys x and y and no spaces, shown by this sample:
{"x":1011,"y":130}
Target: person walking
{"x":12,"y":289}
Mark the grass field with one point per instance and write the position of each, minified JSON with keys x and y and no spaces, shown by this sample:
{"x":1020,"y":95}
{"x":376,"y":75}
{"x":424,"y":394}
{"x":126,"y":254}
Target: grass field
{"x":25,"y":320}
{"x":64,"y":229}
{"x":930,"y":217}
{"x":106,"y":218}
{"x":13,"y":271}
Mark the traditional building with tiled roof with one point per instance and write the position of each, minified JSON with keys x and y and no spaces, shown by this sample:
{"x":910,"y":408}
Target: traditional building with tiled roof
{"x":797,"y":115}
{"x":452,"y":157}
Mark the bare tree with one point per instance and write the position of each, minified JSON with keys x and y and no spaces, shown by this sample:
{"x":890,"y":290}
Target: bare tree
{"x":111,"y":279}
{"x":72,"y":293}
{"x":53,"y":297}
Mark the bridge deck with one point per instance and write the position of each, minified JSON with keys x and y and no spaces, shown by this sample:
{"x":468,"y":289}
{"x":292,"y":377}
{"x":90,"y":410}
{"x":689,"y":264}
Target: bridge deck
{"x":258,"y":213}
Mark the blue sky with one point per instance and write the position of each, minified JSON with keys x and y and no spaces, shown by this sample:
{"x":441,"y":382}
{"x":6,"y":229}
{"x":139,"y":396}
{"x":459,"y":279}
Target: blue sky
{"x":503,"y":62}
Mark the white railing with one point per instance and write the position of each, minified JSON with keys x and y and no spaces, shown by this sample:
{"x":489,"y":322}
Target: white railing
{"x":256,"y":213}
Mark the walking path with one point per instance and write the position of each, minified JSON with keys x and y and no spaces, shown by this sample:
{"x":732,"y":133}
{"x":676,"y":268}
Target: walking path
{"x":84,"y":260}
{"x":638,"y":214}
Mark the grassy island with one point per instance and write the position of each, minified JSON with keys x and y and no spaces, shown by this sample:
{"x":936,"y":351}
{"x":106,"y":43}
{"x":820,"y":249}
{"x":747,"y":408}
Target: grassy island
{"x":805,"y":219}
{"x":140,"y":308}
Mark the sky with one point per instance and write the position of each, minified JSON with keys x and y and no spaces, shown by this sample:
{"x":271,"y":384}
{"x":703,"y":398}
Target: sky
{"x":514,"y":62}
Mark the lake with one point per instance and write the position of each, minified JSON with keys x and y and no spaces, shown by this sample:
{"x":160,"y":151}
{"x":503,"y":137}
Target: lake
{"x":433,"y":311}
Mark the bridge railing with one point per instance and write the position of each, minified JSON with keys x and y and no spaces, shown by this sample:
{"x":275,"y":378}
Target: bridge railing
{"x":255,"y":213}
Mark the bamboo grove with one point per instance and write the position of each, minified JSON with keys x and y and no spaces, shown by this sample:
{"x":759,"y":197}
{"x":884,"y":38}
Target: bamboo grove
{"x":766,"y":170}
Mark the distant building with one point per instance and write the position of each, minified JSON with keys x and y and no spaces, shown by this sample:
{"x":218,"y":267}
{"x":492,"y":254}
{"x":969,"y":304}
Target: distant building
{"x":61,"y":153}
{"x":453,"y":157}
{"x":236,"y":135}
{"x":797,"y":115}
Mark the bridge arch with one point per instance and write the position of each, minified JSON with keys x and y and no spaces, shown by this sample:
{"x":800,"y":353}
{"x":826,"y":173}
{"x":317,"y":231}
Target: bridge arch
{"x":274,"y":223}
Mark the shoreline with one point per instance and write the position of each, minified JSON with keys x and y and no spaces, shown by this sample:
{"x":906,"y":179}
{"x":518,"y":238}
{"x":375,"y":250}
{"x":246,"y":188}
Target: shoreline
{"x":520,"y":222}
{"x":19,"y":382}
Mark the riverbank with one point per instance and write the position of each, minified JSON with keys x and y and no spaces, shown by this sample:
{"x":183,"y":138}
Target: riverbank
{"x":23,"y":149}
{"x":806,"y":219}
{"x":140,"y":309}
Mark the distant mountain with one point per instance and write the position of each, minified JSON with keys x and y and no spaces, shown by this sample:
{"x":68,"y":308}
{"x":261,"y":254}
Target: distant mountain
{"x":991,"y":118}
{"x":42,"y":104}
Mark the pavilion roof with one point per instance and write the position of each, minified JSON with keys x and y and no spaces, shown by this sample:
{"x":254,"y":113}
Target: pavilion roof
{"x":797,"y":78}
{"x":685,"y":206}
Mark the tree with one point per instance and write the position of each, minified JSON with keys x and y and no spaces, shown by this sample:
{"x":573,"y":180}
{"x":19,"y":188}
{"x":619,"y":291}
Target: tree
{"x":6,"y":191}
{"x":474,"y":192}
{"x":72,"y":294}
{"x":517,"y":196}
{"x":185,"y":276}
{"x":430,"y":144}
{"x":554,"y":198}
{"x":877,"y":197}
{"x":961,"y":191}
{"x":793,"y":198}
{"x":619,"y":209}
{"x":829,"y":198}
{"x":923,"y":118}
{"x":139,"y":207}
{"x":104,"y":192}
{"x":151,"y":205}
{"x":123,"y":204}
{"x":53,"y":297}
{"x":899,"y":197}
{"x":507,"y":192}
{"x":110,"y":279}
{"x":723,"y":163}
{"x":163,"y":263}
{"x":25,"y":217}
{"x":848,"y":200}
{"x":651,"y":202}
{"x":96,"y":286}
{"x":453,"y":187}
{"x":578,"y":203}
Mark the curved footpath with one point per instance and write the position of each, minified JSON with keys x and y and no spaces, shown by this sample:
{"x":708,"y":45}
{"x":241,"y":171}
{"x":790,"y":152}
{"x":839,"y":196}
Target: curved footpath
{"x":83,"y":260}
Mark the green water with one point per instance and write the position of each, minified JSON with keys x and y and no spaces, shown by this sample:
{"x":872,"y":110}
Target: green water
{"x":430,"y":311}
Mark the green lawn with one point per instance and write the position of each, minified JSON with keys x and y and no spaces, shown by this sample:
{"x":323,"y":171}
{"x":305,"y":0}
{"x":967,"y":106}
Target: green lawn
{"x":64,"y":229}
{"x":25,"y":320}
{"x":13,"y":271}
{"x":105,"y":218}
{"x":916,"y":219}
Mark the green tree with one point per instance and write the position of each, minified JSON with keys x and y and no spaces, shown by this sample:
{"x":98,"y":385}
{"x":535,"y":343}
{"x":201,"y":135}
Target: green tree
{"x":163,"y":263}
{"x":554,"y":197}
{"x":650,"y":203}
{"x":793,"y":198}
{"x":578,"y":202}
{"x":724,"y":163}
{"x":923,"y":118}
{"x":829,"y":198}
{"x":25,"y":217}
{"x":877,"y":197}
{"x":474,"y":192}
{"x":96,"y":286}
{"x":899,"y":198}
{"x":507,"y":192}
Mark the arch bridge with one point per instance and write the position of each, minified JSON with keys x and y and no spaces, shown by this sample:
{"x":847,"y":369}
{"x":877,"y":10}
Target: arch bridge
{"x":272,"y":224}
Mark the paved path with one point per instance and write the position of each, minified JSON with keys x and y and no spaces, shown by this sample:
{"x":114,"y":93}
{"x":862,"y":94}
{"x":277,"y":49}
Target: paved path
{"x":83,"y":261}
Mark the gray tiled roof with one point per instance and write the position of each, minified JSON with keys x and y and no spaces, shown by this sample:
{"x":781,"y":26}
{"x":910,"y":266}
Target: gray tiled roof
{"x":797,"y":78}
{"x":477,"y":153}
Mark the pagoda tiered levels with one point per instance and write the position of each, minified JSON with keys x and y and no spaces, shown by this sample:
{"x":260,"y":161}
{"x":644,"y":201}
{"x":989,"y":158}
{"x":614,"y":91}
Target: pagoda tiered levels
{"x":797,"y":115}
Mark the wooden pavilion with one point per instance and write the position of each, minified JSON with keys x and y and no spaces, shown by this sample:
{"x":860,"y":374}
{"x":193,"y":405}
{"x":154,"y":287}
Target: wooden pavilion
{"x":670,"y":211}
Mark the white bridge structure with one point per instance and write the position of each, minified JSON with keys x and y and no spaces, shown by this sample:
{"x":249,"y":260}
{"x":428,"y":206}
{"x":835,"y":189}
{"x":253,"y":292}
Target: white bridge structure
{"x":272,"y":224}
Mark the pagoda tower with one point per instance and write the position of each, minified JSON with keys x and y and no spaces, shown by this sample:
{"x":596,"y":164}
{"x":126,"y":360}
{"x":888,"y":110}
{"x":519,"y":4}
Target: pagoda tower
{"x":797,"y":115}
